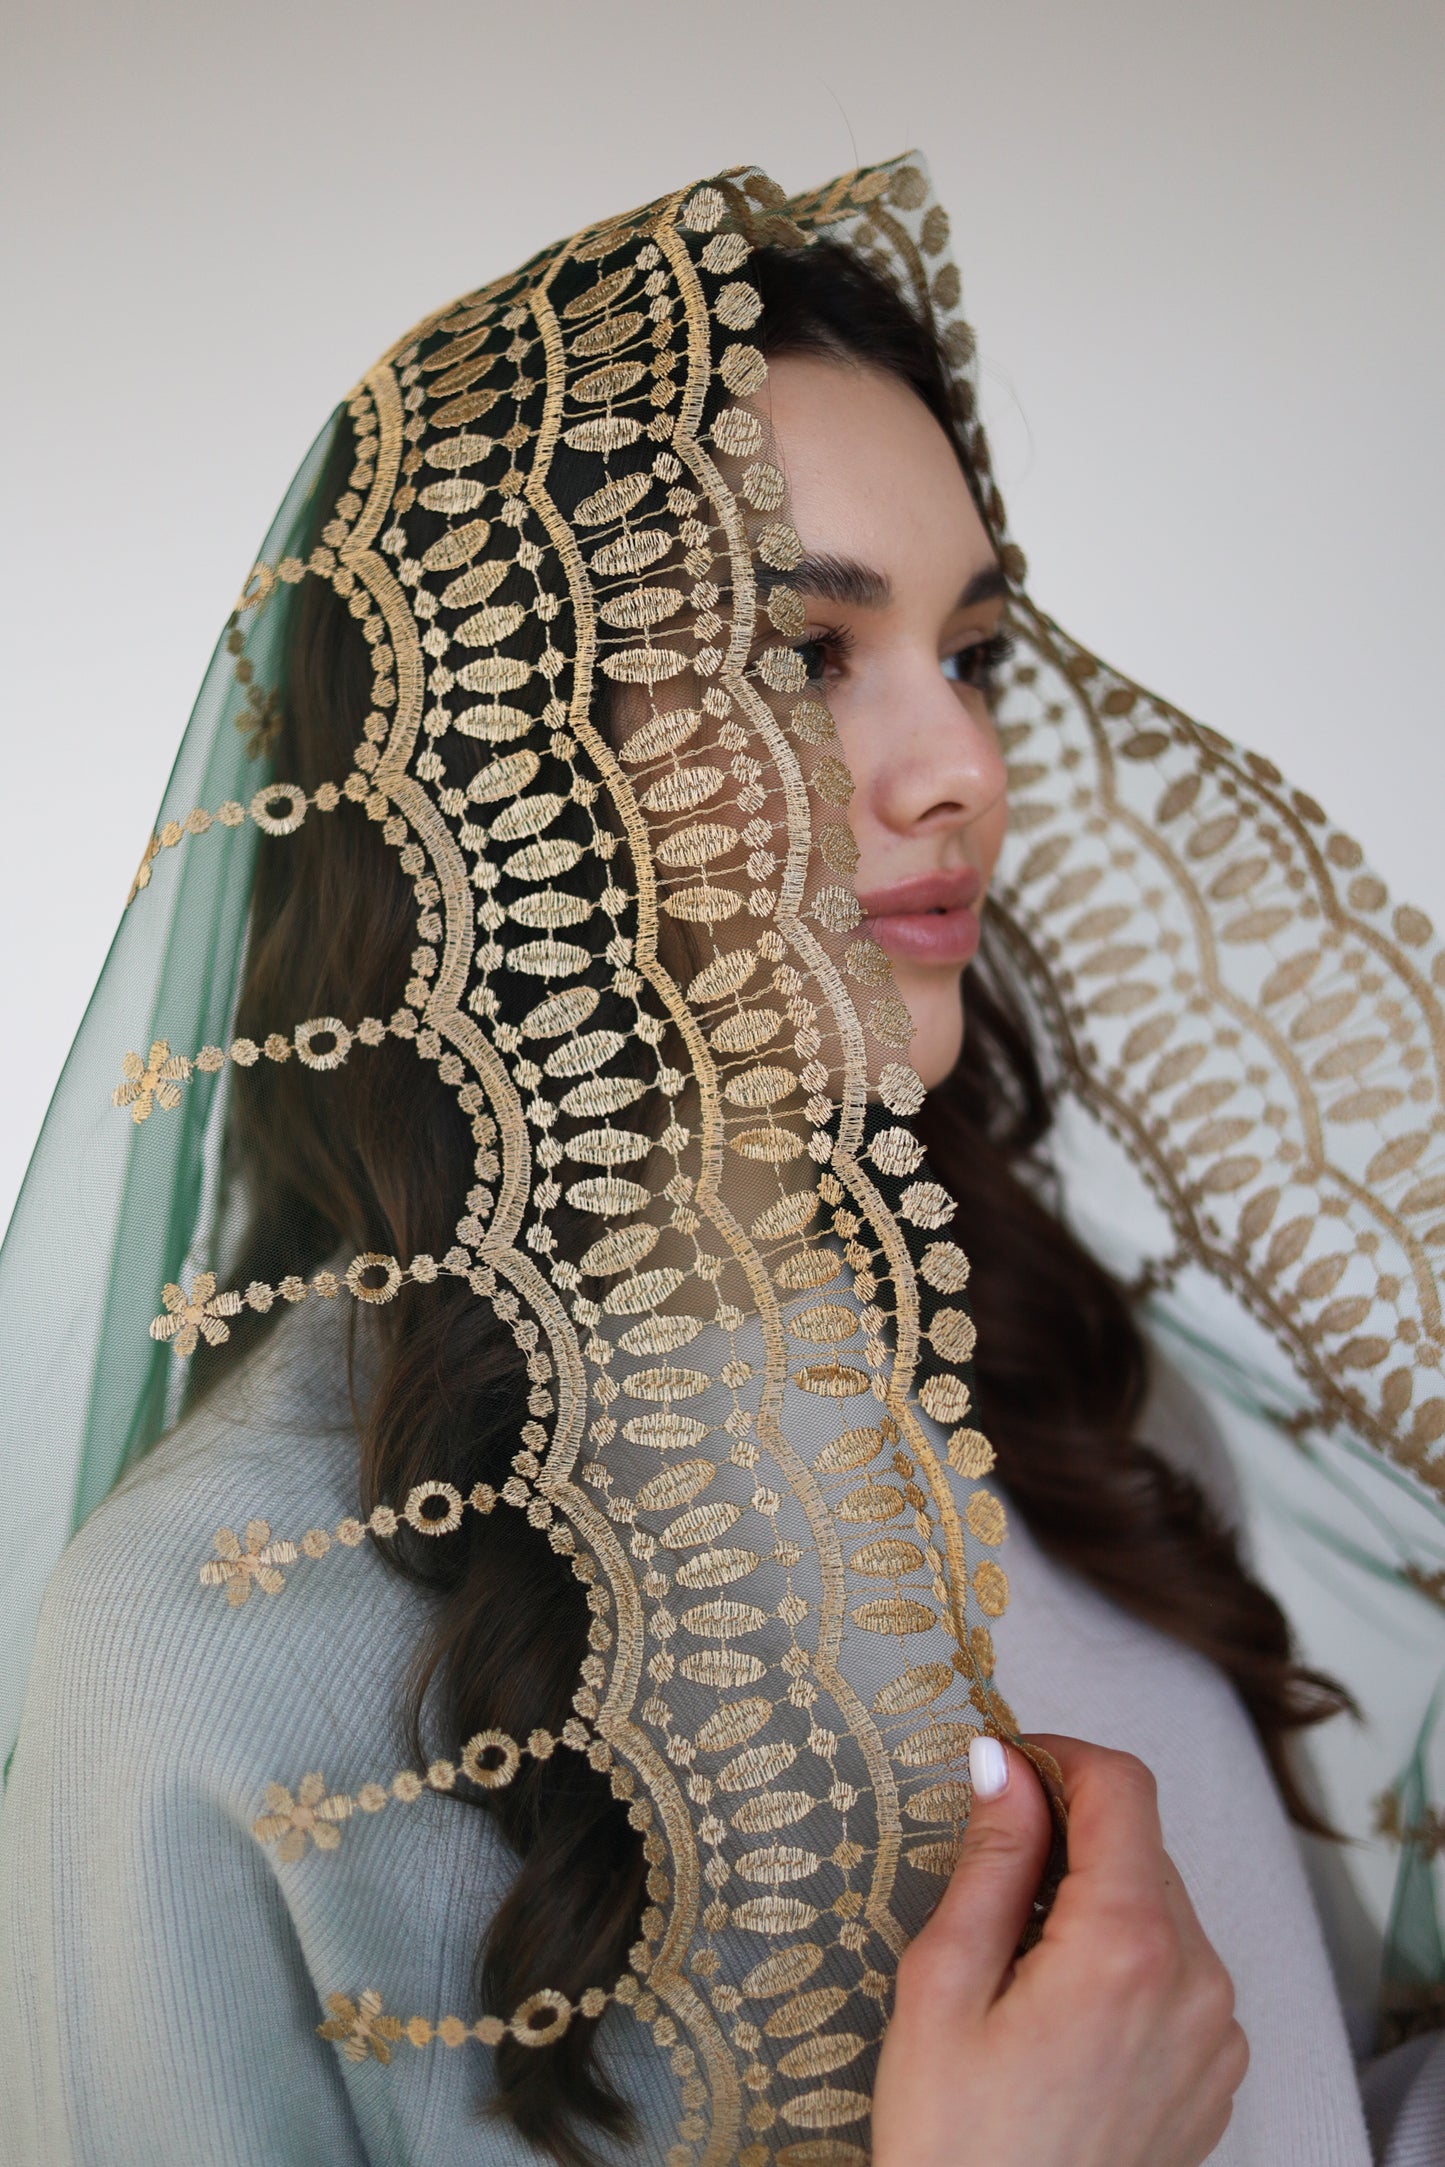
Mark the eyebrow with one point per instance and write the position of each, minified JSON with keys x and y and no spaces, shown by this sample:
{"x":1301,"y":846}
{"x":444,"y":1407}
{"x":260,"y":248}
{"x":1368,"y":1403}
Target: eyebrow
{"x":845,"y":580}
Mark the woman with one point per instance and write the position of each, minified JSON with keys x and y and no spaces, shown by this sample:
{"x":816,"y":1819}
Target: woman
{"x":560,"y":1329}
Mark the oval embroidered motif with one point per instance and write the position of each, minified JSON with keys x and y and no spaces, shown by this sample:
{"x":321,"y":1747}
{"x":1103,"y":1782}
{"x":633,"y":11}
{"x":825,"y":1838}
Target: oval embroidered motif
{"x":774,"y":1147}
{"x":601,"y":296}
{"x":774,"y":1915}
{"x":609,"y":432}
{"x":666,"y":1384}
{"x":832,"y":1380}
{"x":608,"y":1147}
{"x":715,"y":1568}
{"x":703,"y":1524}
{"x":676,"y":1485}
{"x":730,"y":1725}
{"x":887,"y":1559}
{"x":551,"y":909}
{"x":892,"y":1614}
{"x":605,"y":338}
{"x":608,"y":1198}
{"x":683,"y":788}
{"x":817,"y":2056}
{"x":643,"y":665}
{"x":788,"y":1216}
{"x":913,"y":1688}
{"x":781,"y":1973}
{"x":618,"y":1251}
{"x":549,"y":959}
{"x":939,"y":1802}
{"x":807,"y":1268}
{"x":768,"y":1809}
{"x":855,"y":1448}
{"x":827,"y":1324}
{"x":703,"y":906}
{"x":494,"y":673}
{"x":697,"y":846}
{"x":826,"y":2108}
{"x":503,"y":778}
{"x":632,"y":1296}
{"x":723,"y":1619}
{"x":665,"y":1433}
{"x":778,"y":1863}
{"x":560,"y":1012}
{"x":458,"y":547}
{"x":601,"y":1095}
{"x":582,"y":1054}
{"x":725,"y":1667}
{"x":755,"y":1766}
{"x":806,"y":2012}
{"x":875,"y":1501}
{"x":643,"y":606}
{"x":612,"y":499}
{"x":631,"y":552}
{"x":526,"y":816}
{"x":475,"y":586}
{"x":604,"y":384}
{"x":489,"y":626}
{"x":758,"y":1087}
{"x":661,"y":1335}
{"x":728,"y":975}
{"x":543,"y":861}
{"x":935,"y":1745}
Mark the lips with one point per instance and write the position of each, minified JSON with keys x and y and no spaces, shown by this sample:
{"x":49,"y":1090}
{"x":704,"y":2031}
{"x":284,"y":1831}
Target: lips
{"x":930,"y":919}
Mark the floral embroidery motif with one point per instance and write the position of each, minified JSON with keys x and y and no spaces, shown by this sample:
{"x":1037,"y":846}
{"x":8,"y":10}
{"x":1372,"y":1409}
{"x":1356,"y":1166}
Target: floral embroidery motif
{"x":197,"y":1313}
{"x":361,"y":2026}
{"x":156,"y":1081}
{"x":236,"y":1569}
{"x":310,"y":1814}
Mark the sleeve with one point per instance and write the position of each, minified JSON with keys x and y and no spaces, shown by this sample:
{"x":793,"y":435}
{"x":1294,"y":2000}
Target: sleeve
{"x":1404,"y":2094}
{"x":155,"y":2005}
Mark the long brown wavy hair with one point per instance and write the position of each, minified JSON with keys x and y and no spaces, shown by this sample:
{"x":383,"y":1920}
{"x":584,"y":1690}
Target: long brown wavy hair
{"x":379,"y":1159}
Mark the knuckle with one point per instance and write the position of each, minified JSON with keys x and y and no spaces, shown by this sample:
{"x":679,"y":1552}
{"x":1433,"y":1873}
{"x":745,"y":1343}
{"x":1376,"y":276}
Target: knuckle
{"x":1214,"y":1997}
{"x":1138,"y":1955}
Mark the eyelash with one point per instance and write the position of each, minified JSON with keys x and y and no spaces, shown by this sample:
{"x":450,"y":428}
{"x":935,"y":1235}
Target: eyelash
{"x":978,"y":665}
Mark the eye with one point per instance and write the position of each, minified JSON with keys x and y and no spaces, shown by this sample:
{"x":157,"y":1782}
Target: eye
{"x":978,"y":664}
{"x":825,"y":653}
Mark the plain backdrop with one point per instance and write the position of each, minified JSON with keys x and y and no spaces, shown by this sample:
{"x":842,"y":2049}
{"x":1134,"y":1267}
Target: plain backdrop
{"x":1200,"y":246}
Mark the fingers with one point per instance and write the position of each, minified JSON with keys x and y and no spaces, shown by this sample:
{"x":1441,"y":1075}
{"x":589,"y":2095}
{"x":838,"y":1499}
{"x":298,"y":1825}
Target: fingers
{"x":1115,"y":1840}
{"x":963,"y":1954}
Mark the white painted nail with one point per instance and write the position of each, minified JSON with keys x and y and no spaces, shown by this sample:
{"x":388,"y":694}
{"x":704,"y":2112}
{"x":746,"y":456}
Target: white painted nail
{"x":988,"y":1767}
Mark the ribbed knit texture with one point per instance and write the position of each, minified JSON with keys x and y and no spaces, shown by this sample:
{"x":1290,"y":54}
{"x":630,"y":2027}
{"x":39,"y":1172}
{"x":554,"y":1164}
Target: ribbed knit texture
{"x":162,"y":1975}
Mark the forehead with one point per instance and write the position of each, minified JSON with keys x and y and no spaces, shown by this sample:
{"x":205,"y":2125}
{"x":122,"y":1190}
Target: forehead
{"x":871,"y":474}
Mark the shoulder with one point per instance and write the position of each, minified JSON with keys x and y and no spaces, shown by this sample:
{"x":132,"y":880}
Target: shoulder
{"x":214,"y":1602}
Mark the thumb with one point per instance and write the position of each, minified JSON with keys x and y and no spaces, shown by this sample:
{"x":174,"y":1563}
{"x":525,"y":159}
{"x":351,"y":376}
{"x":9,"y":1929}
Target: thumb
{"x":989,"y":1899}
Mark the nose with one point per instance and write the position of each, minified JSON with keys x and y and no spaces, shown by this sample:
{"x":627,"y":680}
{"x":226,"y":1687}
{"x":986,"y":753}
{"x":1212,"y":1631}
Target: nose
{"x":930,"y":764}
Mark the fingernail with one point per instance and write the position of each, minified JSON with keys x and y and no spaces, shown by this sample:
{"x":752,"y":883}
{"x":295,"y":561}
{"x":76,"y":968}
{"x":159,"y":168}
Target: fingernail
{"x":987,"y":1767}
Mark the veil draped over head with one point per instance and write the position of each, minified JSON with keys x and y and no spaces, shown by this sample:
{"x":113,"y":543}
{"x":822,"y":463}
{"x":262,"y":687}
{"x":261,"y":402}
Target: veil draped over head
{"x":693,"y":1195}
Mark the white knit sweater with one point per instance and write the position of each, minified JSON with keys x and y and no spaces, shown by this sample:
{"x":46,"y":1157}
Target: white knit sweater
{"x":162,"y":1974}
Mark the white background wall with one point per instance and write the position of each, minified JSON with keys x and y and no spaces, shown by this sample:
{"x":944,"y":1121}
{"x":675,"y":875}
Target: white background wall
{"x":1200,"y":243}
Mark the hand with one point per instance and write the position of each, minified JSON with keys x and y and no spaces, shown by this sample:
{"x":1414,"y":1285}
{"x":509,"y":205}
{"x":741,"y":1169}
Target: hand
{"x":1112,"y":2043}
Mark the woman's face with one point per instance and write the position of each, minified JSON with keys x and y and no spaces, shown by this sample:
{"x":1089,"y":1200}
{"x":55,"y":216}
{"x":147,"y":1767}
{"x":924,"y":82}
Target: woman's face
{"x":904,"y":598}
